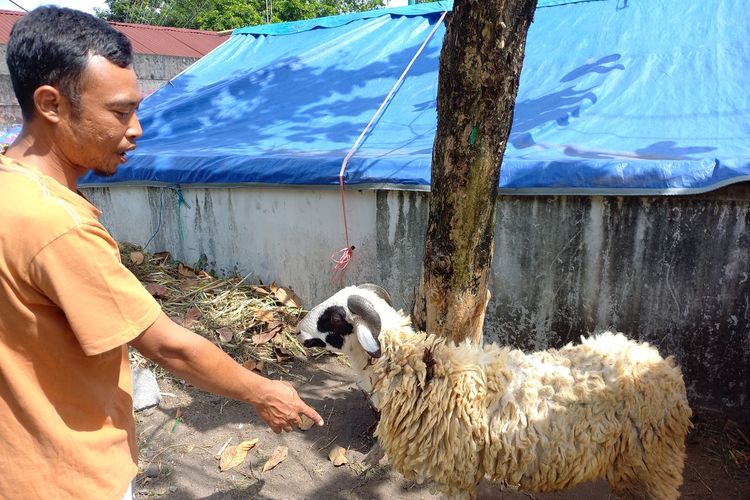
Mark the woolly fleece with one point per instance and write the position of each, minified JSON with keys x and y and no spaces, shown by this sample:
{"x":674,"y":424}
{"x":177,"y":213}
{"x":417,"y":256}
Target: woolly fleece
{"x":607,"y":408}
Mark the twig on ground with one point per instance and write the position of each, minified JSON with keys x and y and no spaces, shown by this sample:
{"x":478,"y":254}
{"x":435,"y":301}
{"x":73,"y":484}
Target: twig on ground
{"x":221,"y":450}
{"x":163,"y":450}
{"x":700,"y":478}
{"x":329,"y":443}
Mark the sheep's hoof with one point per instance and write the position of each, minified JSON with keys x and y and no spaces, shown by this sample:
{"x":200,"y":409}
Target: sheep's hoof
{"x":369,"y":461}
{"x":359,"y":468}
{"x":366,"y":470}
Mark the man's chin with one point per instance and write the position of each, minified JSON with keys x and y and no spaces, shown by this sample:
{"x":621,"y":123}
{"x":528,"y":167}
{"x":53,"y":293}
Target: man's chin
{"x":104,"y":173}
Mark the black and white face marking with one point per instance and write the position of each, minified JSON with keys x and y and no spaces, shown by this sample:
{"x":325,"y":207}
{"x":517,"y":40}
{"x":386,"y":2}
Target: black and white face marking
{"x":326,"y":325}
{"x":330,"y":324}
{"x":314,"y":342}
{"x":334,"y":324}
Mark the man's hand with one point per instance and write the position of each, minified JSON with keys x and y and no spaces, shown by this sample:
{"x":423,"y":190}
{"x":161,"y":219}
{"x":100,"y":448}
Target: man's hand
{"x":280,"y":407}
{"x":198,"y":361}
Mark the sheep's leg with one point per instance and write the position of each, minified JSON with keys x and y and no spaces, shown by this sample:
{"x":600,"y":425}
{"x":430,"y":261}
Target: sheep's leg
{"x":374,"y":456}
{"x":469,"y":494}
{"x":663,"y":479}
{"x":652,"y":482}
{"x":653,"y":468}
{"x":631,"y":491}
{"x":370,"y":460}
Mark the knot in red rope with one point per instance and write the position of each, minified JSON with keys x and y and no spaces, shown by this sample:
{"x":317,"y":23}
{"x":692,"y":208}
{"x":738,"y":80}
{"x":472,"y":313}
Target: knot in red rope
{"x":341,"y":259}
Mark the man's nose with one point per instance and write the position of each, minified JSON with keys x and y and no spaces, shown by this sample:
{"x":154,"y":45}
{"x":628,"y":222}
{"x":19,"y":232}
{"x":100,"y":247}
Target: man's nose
{"x":134,"y":128}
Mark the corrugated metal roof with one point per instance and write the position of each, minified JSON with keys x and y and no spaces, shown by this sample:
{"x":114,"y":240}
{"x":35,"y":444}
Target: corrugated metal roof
{"x":169,"y":41}
{"x":159,"y":40}
{"x":7,"y":19}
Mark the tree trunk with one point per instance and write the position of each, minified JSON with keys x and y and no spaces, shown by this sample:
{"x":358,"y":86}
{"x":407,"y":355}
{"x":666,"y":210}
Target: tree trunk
{"x":480,"y":65}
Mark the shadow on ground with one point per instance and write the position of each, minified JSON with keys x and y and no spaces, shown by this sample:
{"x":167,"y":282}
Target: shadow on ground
{"x":178,"y":457}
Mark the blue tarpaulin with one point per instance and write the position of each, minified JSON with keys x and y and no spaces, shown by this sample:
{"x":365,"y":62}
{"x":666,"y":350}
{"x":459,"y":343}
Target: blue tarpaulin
{"x":623,"y":97}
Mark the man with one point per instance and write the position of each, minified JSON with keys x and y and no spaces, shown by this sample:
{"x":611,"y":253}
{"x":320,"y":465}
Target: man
{"x":68,"y":308}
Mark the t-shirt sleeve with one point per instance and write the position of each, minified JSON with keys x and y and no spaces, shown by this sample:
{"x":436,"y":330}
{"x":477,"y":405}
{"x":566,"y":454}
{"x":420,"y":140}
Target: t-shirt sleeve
{"x":104,"y":303}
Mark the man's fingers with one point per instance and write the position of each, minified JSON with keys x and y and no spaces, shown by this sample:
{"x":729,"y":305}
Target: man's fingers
{"x":307,"y":410}
{"x":312,"y":414}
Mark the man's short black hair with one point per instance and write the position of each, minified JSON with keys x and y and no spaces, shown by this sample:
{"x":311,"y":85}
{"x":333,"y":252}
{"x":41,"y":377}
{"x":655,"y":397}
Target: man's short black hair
{"x":52,"y":46}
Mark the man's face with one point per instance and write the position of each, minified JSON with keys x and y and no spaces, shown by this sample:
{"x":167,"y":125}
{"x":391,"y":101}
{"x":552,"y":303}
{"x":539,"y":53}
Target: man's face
{"x":104,"y":128}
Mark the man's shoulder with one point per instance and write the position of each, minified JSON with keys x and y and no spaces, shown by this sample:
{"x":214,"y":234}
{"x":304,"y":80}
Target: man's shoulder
{"x":25,"y":193}
{"x":31,"y":210}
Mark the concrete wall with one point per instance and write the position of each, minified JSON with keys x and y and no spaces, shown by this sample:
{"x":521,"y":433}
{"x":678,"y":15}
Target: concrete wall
{"x":670,"y":270}
{"x":153,"y":71}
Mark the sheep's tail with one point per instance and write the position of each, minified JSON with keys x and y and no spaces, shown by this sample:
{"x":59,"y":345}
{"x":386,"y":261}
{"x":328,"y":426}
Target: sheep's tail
{"x":657,"y":439}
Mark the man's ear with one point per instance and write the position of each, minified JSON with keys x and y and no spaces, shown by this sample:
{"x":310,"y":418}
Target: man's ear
{"x":48,"y":101}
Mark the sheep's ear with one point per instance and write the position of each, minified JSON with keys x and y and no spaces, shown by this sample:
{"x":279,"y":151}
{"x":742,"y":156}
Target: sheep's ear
{"x":367,"y":340}
{"x":377,"y":290}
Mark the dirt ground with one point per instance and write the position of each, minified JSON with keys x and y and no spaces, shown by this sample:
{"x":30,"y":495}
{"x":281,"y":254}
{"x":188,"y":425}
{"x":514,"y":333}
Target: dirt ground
{"x":178,"y":457}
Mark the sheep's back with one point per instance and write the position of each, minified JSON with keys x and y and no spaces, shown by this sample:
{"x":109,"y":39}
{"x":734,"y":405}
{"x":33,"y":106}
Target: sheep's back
{"x":568,"y":413}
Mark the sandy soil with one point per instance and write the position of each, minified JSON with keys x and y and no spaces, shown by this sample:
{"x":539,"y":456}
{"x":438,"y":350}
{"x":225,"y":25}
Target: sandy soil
{"x":178,"y":457}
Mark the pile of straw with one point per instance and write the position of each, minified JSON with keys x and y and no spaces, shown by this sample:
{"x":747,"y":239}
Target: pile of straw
{"x":252,"y":322}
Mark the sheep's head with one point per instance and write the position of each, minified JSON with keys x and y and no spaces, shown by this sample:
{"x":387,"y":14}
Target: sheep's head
{"x":348,"y":322}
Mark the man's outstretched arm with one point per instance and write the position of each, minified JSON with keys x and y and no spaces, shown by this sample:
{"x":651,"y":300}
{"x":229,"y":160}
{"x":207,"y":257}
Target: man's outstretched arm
{"x":199,"y":362}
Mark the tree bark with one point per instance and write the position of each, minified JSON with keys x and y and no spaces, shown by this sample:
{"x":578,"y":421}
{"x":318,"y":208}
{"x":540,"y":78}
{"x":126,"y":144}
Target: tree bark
{"x":480,"y":65}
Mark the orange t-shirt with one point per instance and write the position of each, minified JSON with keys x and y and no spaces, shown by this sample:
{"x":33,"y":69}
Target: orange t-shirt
{"x":68,"y":307}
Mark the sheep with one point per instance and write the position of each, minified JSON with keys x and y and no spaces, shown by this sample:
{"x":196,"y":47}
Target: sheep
{"x":608,"y":407}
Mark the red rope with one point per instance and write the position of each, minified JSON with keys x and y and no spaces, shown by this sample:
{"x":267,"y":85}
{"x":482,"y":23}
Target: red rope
{"x":341,"y":258}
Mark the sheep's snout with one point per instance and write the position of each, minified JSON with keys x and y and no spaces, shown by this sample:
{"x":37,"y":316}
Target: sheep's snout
{"x":305,"y":335}
{"x":313,"y":342}
{"x":308,"y":340}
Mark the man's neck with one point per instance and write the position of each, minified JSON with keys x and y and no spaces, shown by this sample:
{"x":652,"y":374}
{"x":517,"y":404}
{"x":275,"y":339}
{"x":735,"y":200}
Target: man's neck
{"x":34,"y":151}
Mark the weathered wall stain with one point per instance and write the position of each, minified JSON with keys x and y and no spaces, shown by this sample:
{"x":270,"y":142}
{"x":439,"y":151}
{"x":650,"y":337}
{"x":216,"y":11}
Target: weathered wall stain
{"x":401,"y":225}
{"x":670,"y":270}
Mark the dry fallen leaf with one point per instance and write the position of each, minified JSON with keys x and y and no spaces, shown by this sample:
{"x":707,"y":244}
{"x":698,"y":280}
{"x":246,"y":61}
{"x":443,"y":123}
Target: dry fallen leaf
{"x":306,"y":424}
{"x":226,"y":334}
{"x":265,"y":315}
{"x":185,"y":270}
{"x":137,"y":258}
{"x":189,"y":317}
{"x":262,"y":338}
{"x":235,"y":455}
{"x":261,"y":291}
{"x":161,"y":257}
{"x":279,"y":455}
{"x":280,"y":353}
{"x":286,"y":296}
{"x":188,"y":283}
{"x":337,"y":455}
{"x":250,"y":364}
{"x":158,"y":291}
{"x":193,"y":314}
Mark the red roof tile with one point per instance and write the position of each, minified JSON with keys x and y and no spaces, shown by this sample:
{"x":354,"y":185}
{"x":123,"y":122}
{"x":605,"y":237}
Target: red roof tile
{"x":159,"y":40}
